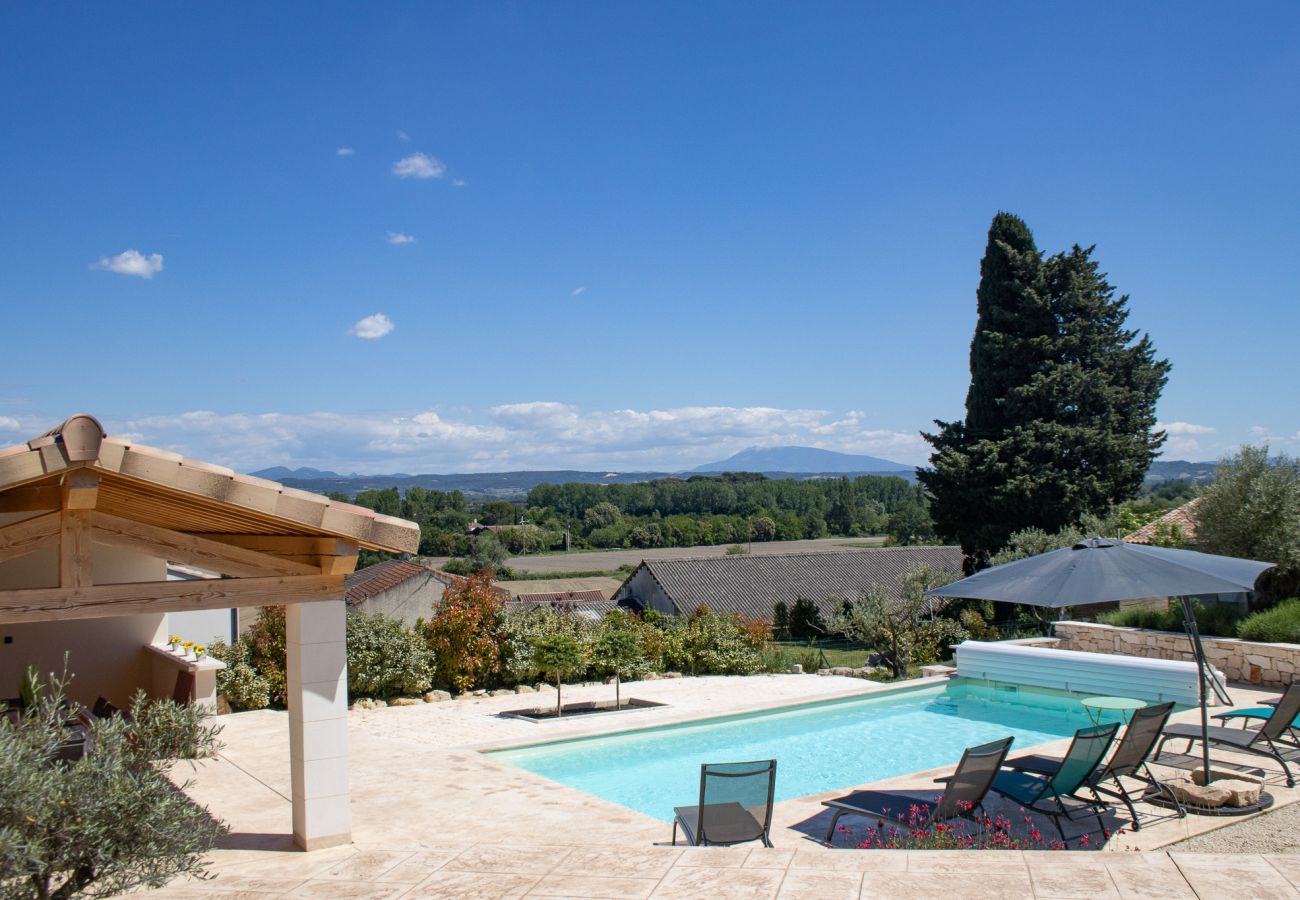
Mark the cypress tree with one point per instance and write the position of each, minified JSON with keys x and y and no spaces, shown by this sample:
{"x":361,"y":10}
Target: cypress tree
{"x":1060,"y":414}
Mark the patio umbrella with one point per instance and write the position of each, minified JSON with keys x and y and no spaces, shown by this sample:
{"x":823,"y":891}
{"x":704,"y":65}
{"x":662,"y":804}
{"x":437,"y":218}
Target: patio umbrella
{"x":1099,"y":570}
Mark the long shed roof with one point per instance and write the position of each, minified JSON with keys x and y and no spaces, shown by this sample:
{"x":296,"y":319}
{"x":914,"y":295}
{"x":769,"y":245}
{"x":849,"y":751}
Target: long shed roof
{"x":750,"y":585}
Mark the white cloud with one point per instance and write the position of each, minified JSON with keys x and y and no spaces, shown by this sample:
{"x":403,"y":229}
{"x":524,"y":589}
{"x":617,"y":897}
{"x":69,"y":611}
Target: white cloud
{"x":1183,"y":428}
{"x":345,"y":151}
{"x":578,"y":291}
{"x":458,"y":182}
{"x":372,"y":328}
{"x":396,"y":238}
{"x":132,"y":262}
{"x":403,"y":136}
{"x":8,"y":423}
{"x":419,"y":165}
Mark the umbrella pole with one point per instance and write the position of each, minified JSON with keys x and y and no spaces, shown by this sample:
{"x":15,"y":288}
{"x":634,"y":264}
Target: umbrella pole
{"x":1194,"y":636}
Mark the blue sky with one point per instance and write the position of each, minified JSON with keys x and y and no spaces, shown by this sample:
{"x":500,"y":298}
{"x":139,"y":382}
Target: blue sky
{"x":643,"y":235}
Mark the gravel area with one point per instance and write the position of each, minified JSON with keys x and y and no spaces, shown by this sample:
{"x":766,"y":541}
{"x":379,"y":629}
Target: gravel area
{"x":1273,"y":832}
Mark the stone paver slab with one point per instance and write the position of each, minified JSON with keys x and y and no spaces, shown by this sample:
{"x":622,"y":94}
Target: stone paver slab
{"x":805,"y":885}
{"x":769,"y":858}
{"x":892,"y":885}
{"x":718,"y":884}
{"x":1289,"y":866}
{"x":419,"y":866}
{"x":593,"y":886}
{"x":647,"y":862}
{"x":233,"y":882}
{"x":982,"y":862}
{"x":1138,"y":882}
{"x":336,"y":889}
{"x":533,"y":861}
{"x":1067,"y":881}
{"x":1240,"y":881}
{"x":369,"y":865}
{"x":445,"y":885}
{"x":713,"y":857}
{"x":850,"y":860}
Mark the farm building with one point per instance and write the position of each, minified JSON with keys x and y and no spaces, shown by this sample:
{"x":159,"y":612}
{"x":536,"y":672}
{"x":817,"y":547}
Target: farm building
{"x":751,"y":585}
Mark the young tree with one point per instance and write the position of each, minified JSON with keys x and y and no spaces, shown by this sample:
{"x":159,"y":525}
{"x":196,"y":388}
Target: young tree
{"x":806,"y":620}
{"x":896,"y":627}
{"x":558,"y":655}
{"x":110,"y":821}
{"x":1252,"y":510}
{"x":780,"y":621}
{"x":1060,"y":414}
{"x":617,"y":651}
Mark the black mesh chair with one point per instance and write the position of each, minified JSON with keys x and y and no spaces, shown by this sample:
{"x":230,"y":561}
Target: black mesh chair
{"x":963,"y":793}
{"x":735,"y":805}
{"x":1128,"y":761}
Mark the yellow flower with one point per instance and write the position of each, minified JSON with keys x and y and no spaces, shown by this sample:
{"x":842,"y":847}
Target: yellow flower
{"x":174,"y":639}
{"x":199,"y":648}
{"x":188,"y":645}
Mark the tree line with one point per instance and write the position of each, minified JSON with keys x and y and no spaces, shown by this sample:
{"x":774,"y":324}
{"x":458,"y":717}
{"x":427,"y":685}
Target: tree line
{"x":670,"y":512}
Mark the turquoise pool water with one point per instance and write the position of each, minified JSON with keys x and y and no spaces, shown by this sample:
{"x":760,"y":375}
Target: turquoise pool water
{"x":818,"y":747}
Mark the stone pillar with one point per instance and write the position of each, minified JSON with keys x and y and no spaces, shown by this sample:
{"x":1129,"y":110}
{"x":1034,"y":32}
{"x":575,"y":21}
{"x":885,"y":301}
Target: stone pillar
{"x":317,"y":676}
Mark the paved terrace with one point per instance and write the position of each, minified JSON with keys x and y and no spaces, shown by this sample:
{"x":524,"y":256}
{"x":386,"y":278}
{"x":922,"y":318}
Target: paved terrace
{"x":433,"y":817}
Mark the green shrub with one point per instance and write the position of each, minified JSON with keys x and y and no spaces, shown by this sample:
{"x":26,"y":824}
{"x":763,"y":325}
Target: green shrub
{"x":711,"y":644}
{"x":240,"y":682}
{"x":266,"y":650}
{"x":558,"y":656}
{"x":776,"y":658}
{"x":1212,"y":619}
{"x":385,"y":658}
{"x":1279,"y":625}
{"x":110,"y":822}
{"x":520,"y":629}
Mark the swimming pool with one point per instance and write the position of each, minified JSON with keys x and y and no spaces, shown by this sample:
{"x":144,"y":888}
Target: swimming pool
{"x":818,"y":747}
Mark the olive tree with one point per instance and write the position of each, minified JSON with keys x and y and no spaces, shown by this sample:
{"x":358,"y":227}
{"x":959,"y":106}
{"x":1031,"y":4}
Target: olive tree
{"x":101,"y":818}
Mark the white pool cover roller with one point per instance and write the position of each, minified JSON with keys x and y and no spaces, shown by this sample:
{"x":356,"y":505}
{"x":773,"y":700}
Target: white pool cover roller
{"x":1104,"y":674}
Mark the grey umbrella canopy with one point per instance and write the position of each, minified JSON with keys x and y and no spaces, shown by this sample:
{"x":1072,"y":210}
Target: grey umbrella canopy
{"x":1098,"y":570}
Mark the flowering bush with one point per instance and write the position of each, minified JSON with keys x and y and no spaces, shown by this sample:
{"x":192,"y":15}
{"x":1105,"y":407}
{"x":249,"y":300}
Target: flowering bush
{"x":386,"y":658}
{"x":711,"y":644}
{"x":240,"y":682}
{"x":913,"y":830}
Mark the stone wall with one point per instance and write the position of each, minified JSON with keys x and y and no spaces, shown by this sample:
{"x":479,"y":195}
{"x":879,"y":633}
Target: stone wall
{"x":1244,"y":661}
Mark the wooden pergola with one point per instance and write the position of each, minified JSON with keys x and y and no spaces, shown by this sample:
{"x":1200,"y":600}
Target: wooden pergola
{"x":75,"y":488}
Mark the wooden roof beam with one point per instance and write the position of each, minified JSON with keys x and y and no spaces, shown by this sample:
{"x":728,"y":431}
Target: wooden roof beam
{"x":33,"y":498}
{"x":76,"y":561}
{"x":29,"y":535}
{"x":80,"y":489}
{"x":194,"y":549}
{"x":57,"y":604}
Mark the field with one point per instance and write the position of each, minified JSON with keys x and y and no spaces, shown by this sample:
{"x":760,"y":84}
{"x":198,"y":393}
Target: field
{"x":609,"y":560}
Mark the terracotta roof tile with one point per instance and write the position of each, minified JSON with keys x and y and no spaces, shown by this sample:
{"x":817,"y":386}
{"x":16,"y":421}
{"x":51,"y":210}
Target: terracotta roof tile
{"x":1183,"y":518}
{"x":376,"y":579}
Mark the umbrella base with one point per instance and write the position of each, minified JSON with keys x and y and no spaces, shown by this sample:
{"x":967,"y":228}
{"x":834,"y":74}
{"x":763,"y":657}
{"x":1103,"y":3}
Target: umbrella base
{"x":1158,"y":798}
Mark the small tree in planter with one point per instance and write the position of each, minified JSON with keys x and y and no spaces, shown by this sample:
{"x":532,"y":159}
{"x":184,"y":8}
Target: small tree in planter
{"x":617,"y":651}
{"x":558,"y":655}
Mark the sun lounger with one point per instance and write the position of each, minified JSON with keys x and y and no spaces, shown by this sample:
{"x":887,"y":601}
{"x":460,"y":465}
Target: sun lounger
{"x":1128,"y":761}
{"x":1269,"y":739}
{"x":963,"y":794}
{"x":1076,"y":767}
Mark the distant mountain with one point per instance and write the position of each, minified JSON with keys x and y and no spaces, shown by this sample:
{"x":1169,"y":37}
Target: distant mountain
{"x":1179,"y":470}
{"x":280,"y":473}
{"x":808,"y":460}
{"x":482,"y":485}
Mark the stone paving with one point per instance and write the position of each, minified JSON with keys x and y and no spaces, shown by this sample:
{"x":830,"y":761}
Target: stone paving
{"x":433,"y":817}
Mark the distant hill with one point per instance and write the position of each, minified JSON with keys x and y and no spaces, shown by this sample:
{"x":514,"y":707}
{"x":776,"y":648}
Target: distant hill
{"x":805,"y":460}
{"x":280,"y":473}
{"x":1179,"y":470}
{"x":489,"y":485}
